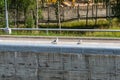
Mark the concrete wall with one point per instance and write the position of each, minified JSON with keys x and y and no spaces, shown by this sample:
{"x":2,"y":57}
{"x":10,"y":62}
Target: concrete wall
{"x":26,"y":63}
{"x":67,"y":13}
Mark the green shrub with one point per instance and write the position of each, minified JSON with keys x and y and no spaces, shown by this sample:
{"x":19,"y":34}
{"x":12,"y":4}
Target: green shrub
{"x":29,"y":23}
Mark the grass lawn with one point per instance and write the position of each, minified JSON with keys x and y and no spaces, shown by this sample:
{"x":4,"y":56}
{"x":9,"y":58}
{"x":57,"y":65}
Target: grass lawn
{"x":81,"y":24}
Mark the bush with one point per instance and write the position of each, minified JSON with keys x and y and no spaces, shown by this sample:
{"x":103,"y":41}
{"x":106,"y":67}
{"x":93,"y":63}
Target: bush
{"x":29,"y":23}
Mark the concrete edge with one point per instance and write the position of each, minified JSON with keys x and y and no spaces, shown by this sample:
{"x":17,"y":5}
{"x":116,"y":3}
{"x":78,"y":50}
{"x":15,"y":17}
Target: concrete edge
{"x":61,"y":37}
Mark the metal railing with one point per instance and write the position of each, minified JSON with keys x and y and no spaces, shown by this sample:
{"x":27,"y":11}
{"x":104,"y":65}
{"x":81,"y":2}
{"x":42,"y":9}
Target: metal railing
{"x":63,"y":32}
{"x":57,"y":29}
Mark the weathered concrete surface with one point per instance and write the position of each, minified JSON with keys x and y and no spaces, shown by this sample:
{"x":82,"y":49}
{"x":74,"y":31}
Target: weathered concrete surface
{"x":34,"y":61}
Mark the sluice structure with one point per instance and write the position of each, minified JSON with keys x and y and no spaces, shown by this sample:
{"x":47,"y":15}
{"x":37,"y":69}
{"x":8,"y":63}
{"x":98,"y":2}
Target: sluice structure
{"x":59,"y":62}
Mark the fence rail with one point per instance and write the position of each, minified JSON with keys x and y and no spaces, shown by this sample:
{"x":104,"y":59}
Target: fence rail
{"x":57,"y":29}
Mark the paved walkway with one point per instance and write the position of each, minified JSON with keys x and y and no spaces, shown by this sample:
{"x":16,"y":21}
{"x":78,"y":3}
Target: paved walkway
{"x":61,"y":42}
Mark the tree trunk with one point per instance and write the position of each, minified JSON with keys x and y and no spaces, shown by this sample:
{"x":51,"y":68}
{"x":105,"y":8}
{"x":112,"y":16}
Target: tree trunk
{"x":17,"y":15}
{"x":96,"y":13}
{"x":87,"y":15}
{"x":36,"y":13}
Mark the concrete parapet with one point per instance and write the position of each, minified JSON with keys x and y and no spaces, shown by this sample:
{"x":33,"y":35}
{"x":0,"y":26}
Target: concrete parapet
{"x":55,"y":62}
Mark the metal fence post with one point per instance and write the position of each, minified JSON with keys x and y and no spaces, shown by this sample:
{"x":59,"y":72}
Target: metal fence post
{"x":7,"y":29}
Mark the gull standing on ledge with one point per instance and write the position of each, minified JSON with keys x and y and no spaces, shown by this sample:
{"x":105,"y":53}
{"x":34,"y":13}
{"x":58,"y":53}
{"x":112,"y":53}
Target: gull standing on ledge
{"x":55,"y":41}
{"x":79,"y":42}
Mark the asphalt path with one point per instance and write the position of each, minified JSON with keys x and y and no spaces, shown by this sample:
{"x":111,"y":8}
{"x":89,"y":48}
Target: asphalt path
{"x":61,"y":40}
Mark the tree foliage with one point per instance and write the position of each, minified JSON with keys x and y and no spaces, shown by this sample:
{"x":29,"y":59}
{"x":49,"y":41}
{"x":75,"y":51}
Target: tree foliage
{"x":28,"y":7}
{"x":1,"y":4}
{"x":116,"y":8}
{"x":23,"y":4}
